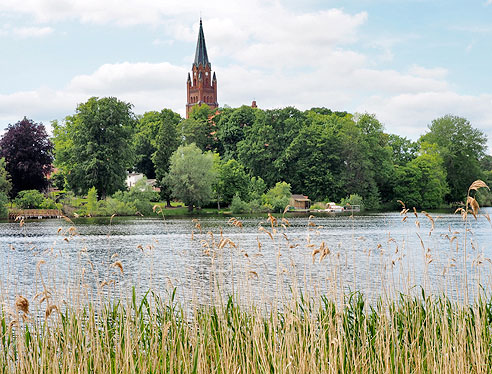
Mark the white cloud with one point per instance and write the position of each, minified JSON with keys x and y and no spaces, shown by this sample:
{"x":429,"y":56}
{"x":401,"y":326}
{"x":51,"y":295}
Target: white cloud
{"x":410,"y":114}
{"x":297,"y":58}
{"x":32,"y":32}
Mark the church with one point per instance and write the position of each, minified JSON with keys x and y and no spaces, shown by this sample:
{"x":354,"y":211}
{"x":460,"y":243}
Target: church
{"x":201,"y":86}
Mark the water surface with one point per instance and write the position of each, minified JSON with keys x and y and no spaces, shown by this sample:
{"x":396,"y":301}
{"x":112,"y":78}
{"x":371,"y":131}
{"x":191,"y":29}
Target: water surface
{"x":376,"y":254}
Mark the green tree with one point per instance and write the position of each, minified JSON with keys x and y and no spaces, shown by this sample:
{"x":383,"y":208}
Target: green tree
{"x":422,"y":182}
{"x":4,"y":210}
{"x":147,"y":129}
{"x":95,"y":145}
{"x":29,"y":199}
{"x":261,"y":151}
{"x":403,"y":149}
{"x":379,"y":154}
{"x":5,"y":183}
{"x":314,"y":159}
{"x":278,"y":197}
{"x":256,"y":188}
{"x":191,"y":176}
{"x":166,"y":142}
{"x":357,"y":174}
{"x":91,"y":206}
{"x":461,"y":147}
{"x":231,"y":180}
{"x":230,"y":128}
{"x":200,"y":128}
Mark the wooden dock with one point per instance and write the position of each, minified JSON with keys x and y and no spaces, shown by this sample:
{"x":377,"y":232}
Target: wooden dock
{"x":34,"y":213}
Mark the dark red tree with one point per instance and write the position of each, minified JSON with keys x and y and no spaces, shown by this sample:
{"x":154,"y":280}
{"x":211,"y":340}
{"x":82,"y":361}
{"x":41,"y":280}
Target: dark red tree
{"x":28,"y":154}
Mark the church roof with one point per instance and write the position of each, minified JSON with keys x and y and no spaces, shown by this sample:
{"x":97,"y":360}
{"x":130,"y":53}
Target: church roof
{"x":201,"y":56}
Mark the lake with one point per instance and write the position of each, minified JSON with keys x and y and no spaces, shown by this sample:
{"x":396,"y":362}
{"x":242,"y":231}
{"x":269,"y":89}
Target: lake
{"x":374,"y":253}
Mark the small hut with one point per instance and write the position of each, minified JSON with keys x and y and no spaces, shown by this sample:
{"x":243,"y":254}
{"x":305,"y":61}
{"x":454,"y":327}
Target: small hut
{"x":300,"y":202}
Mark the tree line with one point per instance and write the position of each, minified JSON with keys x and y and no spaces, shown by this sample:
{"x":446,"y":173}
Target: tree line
{"x":246,"y":157}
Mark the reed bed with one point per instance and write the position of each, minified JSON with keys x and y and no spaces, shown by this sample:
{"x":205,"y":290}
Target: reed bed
{"x":298,"y":332}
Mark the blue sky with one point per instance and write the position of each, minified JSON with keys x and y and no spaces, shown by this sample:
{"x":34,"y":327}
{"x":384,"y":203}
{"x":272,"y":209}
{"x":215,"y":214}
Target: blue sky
{"x":407,"y":61}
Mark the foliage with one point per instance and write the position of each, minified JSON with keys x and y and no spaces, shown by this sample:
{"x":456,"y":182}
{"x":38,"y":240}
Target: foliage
{"x":4,"y":211}
{"x":110,"y":206}
{"x":33,"y":199}
{"x":92,"y":206}
{"x":266,"y":140}
{"x":94,"y":146}
{"x":238,"y":205}
{"x":58,"y":180}
{"x":353,"y":199}
{"x":199,"y":128}
{"x":139,"y":196}
{"x":190,"y":175}
{"x":5,"y":182}
{"x":422,"y":182}
{"x":147,"y":129}
{"x":461,"y":147}
{"x":403,"y":149}
{"x":313,"y":159}
{"x":166,"y":142}
{"x":231,"y":127}
{"x":256,"y":188}
{"x":278,"y":197}
{"x":28,"y":155}
{"x":231,"y":180}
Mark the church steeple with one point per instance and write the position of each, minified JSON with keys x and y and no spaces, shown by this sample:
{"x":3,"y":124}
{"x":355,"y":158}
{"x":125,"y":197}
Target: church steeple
{"x":201,"y":56}
{"x":201,"y":87}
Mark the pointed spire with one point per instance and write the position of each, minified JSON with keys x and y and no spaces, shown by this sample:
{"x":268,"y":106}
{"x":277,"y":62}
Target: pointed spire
{"x":214,"y":77}
{"x":201,"y":56}
{"x":189,"y":77}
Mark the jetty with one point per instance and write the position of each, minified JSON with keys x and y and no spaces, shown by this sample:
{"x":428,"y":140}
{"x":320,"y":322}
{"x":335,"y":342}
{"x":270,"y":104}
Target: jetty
{"x":34,"y":213}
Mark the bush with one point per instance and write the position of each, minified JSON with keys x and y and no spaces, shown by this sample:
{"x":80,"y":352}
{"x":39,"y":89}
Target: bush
{"x":4,"y":211}
{"x":255,"y":206}
{"x":239,"y":206}
{"x":318,"y":205}
{"x":353,"y":199}
{"x":139,"y":197}
{"x":277,"y":197}
{"x":29,"y":199}
{"x":112,"y":206}
{"x":48,"y":204}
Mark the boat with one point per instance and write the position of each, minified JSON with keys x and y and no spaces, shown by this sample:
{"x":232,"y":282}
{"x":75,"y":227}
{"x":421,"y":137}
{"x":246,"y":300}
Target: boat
{"x":333,"y":208}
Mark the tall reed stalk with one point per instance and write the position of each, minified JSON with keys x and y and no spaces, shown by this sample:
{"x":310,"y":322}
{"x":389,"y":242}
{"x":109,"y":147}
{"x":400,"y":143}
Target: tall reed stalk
{"x":298,"y":332}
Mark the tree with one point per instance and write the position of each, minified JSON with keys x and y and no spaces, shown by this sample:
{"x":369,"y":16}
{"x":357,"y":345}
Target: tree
{"x":231,"y":128}
{"x":5,"y":183}
{"x":190,"y":175}
{"x":166,"y":142}
{"x":314,"y":160}
{"x":461,"y":147}
{"x":5,"y":186}
{"x":278,"y":197}
{"x":145,"y":142}
{"x":422,"y":182}
{"x":28,"y":155}
{"x":200,"y":129}
{"x":231,"y":180}
{"x":266,"y":140}
{"x":403,"y":149}
{"x":94,"y":146}
{"x":379,"y":154}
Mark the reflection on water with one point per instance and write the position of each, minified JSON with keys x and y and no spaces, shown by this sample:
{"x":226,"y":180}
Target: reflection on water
{"x":372,"y":253}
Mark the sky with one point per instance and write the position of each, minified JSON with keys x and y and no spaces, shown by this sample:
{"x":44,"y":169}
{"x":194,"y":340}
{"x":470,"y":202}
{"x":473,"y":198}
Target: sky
{"x":406,"y":61}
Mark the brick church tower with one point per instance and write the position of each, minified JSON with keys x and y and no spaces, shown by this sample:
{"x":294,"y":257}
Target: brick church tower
{"x":201,"y":87}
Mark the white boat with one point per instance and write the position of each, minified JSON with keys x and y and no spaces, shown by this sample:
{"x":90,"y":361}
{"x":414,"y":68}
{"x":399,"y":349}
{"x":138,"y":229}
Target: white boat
{"x":333,"y":208}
